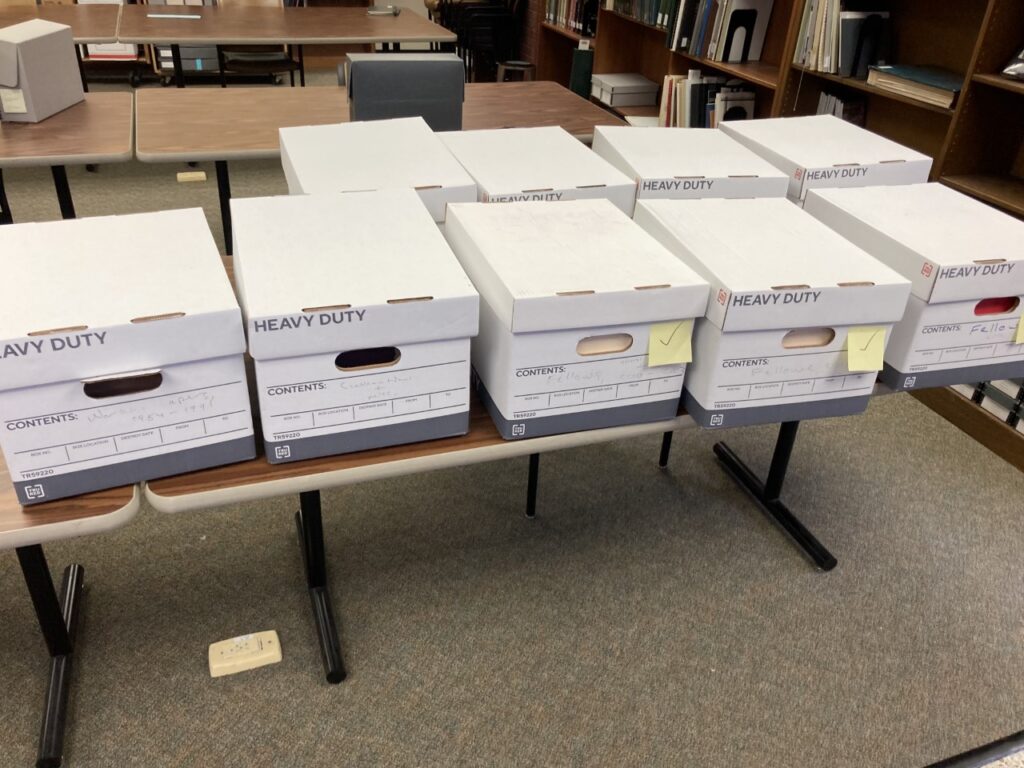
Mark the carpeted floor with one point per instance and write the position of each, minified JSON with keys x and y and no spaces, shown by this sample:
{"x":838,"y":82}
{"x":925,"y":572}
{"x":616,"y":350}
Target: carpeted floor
{"x":646,"y":618}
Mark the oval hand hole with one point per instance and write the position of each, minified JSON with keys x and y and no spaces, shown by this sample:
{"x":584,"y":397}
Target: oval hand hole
{"x":862,"y":284}
{"x":788,"y":287}
{"x":999,"y":306}
{"x":69,"y":329}
{"x":154,"y":318}
{"x":573,"y":293}
{"x":410,"y":299}
{"x":650,"y":287}
{"x":326,"y":308}
{"x":990,"y":261}
{"x":808,"y":337}
{"x":116,"y":386}
{"x":372,"y":357}
{"x":604,"y":345}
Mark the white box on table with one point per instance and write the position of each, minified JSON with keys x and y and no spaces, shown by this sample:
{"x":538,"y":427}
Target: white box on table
{"x":966,"y":264}
{"x":786,"y":292}
{"x":121,"y":357}
{"x":683,"y":163}
{"x":624,"y":90}
{"x":359,"y":319}
{"x":824,"y":151}
{"x":518,"y":164}
{"x":573,"y":294}
{"x":378,"y":154}
{"x":39,"y":74}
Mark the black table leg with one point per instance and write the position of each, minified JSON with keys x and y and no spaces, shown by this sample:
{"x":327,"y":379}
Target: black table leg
{"x":531,"y":486}
{"x":81,"y":67}
{"x":60,"y":183}
{"x":224,"y":190}
{"x":5,"y":207}
{"x":311,"y":538}
{"x":179,"y":72}
{"x":666,"y":447}
{"x":58,"y":620}
{"x":768,"y":493}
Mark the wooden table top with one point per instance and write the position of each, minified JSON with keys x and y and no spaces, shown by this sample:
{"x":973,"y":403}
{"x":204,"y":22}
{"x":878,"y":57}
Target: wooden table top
{"x":177,"y":124}
{"x":97,"y":130}
{"x":62,"y":519}
{"x":255,"y":25}
{"x":89,"y":23}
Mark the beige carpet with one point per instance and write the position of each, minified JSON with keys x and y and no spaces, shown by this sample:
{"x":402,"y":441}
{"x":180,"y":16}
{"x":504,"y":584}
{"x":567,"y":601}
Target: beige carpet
{"x":646,"y":618}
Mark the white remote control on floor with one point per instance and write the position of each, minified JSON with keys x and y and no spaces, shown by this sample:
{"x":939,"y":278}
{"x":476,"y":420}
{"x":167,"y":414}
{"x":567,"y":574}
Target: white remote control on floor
{"x":244,"y":652}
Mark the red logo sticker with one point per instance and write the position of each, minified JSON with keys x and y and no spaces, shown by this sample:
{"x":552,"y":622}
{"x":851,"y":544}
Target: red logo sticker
{"x":798,"y":174}
{"x":722,"y":296}
{"x":926,"y":270}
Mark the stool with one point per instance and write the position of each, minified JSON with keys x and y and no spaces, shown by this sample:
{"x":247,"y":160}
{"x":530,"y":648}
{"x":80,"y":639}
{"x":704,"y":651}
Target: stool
{"x":525,"y":67}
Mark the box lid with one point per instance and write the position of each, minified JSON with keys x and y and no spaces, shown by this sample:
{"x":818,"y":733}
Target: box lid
{"x":681,"y":153}
{"x":820,"y":141}
{"x":336,"y":272}
{"x":115,"y":294}
{"x":544,"y":266}
{"x":625,"y":83}
{"x":516,"y":160}
{"x":951,"y":246}
{"x":378,"y":154}
{"x":772,"y":266}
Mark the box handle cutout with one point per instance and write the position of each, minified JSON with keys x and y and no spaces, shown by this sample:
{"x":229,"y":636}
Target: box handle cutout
{"x":990,"y":261}
{"x":744,"y":176}
{"x":801,"y":338}
{"x":901,"y":160}
{"x":118,"y":386}
{"x":326,"y":308}
{"x":573,"y":293}
{"x":539,"y":189}
{"x":427,"y":186}
{"x":845,"y":165}
{"x":997,"y":306}
{"x":689,"y":177}
{"x":789,"y":287}
{"x":69,"y":329}
{"x":861,"y":284}
{"x":609,"y":344}
{"x":411,"y":298}
{"x":650,"y":287}
{"x":591,"y":186}
{"x":154,"y":318}
{"x":371,"y":357}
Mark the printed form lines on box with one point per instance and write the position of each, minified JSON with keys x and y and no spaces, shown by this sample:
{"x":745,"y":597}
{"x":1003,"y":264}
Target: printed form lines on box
{"x":606,"y":386}
{"x":361,"y":375}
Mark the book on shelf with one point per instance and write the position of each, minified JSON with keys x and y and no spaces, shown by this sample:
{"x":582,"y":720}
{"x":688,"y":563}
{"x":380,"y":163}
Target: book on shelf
{"x":851,"y":110}
{"x":931,"y":85}
{"x":718,"y":30}
{"x":842,"y":37}
{"x":579,"y":16}
{"x":695,"y":101}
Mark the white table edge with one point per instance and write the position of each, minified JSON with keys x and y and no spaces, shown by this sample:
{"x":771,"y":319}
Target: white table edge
{"x":69,"y":529}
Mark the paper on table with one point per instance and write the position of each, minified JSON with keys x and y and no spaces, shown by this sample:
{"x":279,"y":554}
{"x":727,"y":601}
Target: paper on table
{"x":865,"y":347}
{"x":1019,"y":336}
{"x":13,"y":101}
{"x":669,"y":343}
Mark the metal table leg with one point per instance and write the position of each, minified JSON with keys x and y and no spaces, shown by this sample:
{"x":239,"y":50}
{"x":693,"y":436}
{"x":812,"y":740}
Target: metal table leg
{"x":666,"y":447}
{"x":767,"y":494}
{"x":224,"y":191}
{"x":531,"y":486}
{"x":81,"y":67}
{"x":311,"y":537}
{"x":60,"y":183}
{"x":58,"y":620}
{"x":5,"y":207}
{"x":179,"y":72}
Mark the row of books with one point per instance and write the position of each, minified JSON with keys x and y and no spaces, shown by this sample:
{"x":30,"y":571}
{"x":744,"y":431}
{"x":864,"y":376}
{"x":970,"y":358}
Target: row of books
{"x":653,"y":12}
{"x":719,"y":30}
{"x":852,"y":110}
{"x":578,"y":15}
{"x":1004,"y":399}
{"x":695,"y":101}
{"x":842,"y":37}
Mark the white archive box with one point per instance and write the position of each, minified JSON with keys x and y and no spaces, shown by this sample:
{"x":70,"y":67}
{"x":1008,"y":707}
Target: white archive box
{"x":359,"y":319}
{"x":824,"y":151}
{"x":688,"y":163}
{"x":372,"y":155}
{"x":517,"y":164}
{"x":798,"y":317}
{"x":585,"y":320}
{"x":121,"y":354}
{"x":965,"y":261}
{"x":624,"y":90}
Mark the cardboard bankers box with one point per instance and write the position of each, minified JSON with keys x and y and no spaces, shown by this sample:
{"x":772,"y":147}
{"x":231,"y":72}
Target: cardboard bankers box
{"x":798,"y":317}
{"x":359,"y":320}
{"x":585,"y":320}
{"x":38,"y":71}
{"x":379,"y":154}
{"x":515,"y":164}
{"x":120,"y":354}
{"x":688,"y":163}
{"x":824,"y":151}
{"x":965,"y":261}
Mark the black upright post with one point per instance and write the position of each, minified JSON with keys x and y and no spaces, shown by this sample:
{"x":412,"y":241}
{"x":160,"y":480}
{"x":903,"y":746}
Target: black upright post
{"x":531,"y":486}
{"x":179,"y":72}
{"x":224,"y":192}
{"x":60,"y":183}
{"x":666,"y":447}
{"x":5,"y":207}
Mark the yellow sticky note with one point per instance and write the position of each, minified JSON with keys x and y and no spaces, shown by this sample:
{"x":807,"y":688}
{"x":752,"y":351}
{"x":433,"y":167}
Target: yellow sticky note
{"x":669,"y":343}
{"x":1018,"y":338}
{"x":865,"y":347}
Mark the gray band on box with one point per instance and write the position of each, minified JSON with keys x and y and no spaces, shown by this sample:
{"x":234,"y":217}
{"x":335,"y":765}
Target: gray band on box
{"x":599,"y":418}
{"x":53,"y":487}
{"x":774,"y":414}
{"x":414,"y":431}
{"x":901,"y":382}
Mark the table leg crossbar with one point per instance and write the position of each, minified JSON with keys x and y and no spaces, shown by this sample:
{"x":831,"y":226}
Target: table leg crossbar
{"x":309,"y":522}
{"x":58,"y":620}
{"x":768,"y":493}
